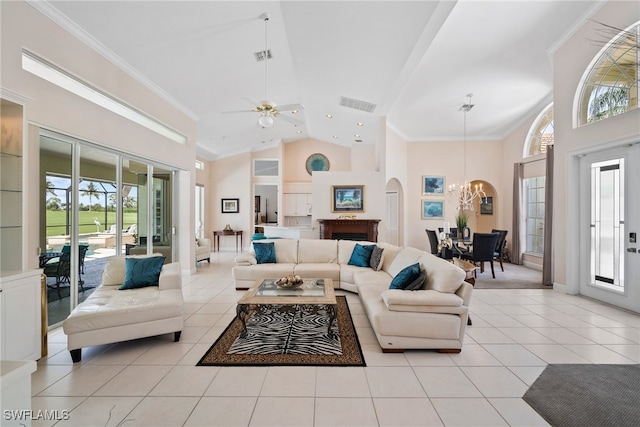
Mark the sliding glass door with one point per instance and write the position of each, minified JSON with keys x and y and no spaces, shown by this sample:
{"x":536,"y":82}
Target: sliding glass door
{"x":97,"y":203}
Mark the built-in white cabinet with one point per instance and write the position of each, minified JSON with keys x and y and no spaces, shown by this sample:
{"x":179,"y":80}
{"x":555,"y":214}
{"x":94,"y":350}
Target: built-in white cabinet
{"x":20,"y":321}
{"x":297,"y":204}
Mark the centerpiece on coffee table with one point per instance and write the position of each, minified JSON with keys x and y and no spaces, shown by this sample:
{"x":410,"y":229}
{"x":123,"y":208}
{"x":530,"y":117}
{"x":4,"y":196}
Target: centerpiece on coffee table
{"x":289,"y":281}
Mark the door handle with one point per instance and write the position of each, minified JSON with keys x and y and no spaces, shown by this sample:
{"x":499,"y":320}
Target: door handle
{"x":632,"y":250}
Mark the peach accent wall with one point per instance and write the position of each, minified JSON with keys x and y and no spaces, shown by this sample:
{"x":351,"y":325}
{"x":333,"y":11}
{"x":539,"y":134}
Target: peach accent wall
{"x":296,"y":154}
{"x":446,"y":159}
{"x":231,"y":179}
{"x":570,"y":62}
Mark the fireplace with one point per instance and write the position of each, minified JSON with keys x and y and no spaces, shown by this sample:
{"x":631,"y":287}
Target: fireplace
{"x":349,"y":229}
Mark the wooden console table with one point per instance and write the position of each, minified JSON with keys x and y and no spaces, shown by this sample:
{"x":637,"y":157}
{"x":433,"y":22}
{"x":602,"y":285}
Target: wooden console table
{"x":218,"y":233}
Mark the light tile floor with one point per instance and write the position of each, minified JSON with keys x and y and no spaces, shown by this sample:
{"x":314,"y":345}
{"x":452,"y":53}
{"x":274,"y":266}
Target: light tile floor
{"x":154,"y":381}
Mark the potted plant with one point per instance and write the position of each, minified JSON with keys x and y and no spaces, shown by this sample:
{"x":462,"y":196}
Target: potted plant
{"x":461,"y":221}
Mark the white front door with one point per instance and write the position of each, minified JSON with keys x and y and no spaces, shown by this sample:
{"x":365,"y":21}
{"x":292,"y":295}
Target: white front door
{"x":610,"y":226}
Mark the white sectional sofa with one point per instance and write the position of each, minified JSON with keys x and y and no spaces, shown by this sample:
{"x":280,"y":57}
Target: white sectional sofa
{"x":111,"y":315}
{"x":434,"y":317}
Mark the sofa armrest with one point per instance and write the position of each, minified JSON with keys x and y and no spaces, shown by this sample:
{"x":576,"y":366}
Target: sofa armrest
{"x":246,"y":259}
{"x":464,"y":292}
{"x":205,"y":243}
{"x":170,"y":277}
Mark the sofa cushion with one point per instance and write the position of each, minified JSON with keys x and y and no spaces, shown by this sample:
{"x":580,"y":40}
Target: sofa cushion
{"x":317,"y":250}
{"x":361,"y":255}
{"x":263,"y":271}
{"x":442,"y":275}
{"x":393,"y":297}
{"x":405,"y":257}
{"x":265,"y":253}
{"x":286,"y":250}
{"x":377,"y":257}
{"x":142,"y":272}
{"x":368,"y":277}
{"x":418,"y":283}
{"x":108,"y":307}
{"x":405,"y":277}
{"x":318,"y":270}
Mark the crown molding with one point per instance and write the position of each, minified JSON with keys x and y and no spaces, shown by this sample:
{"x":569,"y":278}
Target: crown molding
{"x":48,"y":10}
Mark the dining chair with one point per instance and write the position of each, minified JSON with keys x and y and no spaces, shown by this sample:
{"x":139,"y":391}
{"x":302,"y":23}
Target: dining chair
{"x":60,"y":269}
{"x":484,"y":246}
{"x":433,"y":241}
{"x":502,"y":241}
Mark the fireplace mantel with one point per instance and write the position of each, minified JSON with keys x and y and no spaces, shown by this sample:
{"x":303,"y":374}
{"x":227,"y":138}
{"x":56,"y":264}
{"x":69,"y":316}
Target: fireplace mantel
{"x":349,"y":229}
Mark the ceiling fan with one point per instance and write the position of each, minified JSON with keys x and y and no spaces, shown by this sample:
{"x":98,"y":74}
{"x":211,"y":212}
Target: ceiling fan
{"x":269,"y":110}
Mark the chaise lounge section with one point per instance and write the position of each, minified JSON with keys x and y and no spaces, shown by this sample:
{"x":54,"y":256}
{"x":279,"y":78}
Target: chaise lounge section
{"x":112,"y":315}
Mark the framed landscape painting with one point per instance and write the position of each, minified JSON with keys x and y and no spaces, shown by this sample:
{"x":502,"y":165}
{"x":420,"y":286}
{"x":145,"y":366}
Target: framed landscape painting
{"x":347,"y":198}
{"x":433,"y":185}
{"x":432,"y":209}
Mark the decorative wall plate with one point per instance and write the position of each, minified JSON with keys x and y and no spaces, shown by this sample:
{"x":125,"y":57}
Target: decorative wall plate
{"x":317,"y":162}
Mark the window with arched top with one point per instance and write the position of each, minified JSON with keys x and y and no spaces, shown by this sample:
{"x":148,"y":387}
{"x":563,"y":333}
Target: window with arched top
{"x":610,"y":83}
{"x":540,"y":134}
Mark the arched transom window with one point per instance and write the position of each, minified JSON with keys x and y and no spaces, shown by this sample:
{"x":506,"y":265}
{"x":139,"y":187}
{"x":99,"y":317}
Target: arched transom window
{"x":540,"y":134}
{"x":611,"y":84}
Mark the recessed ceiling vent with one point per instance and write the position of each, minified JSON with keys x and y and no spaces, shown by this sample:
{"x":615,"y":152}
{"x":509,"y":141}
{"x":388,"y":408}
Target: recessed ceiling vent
{"x":357,"y":104}
{"x":260,"y":56}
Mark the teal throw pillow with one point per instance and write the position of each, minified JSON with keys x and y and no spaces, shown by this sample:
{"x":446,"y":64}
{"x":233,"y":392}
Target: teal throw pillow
{"x":142,"y":272}
{"x":417,"y":284}
{"x":361,"y":255}
{"x":265,"y":252}
{"x":405,"y":277}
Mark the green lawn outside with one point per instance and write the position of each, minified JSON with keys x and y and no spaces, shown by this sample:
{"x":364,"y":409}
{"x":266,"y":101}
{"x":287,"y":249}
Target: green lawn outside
{"x":56,"y":221}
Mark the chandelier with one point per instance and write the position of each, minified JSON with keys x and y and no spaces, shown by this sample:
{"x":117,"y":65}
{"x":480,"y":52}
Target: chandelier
{"x":464,"y":193}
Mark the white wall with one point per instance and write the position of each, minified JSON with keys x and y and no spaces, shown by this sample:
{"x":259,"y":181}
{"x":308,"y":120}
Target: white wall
{"x":570,"y":62}
{"x":51,"y":107}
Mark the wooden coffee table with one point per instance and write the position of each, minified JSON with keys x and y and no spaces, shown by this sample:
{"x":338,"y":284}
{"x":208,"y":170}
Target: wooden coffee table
{"x":469,"y":269}
{"x":312,"y":296}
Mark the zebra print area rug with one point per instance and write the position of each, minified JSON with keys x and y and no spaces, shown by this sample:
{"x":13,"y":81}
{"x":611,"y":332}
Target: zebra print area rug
{"x":286,"y":336}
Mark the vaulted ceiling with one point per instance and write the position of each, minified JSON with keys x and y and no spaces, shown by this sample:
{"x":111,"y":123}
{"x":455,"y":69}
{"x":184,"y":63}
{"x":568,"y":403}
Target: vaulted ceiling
{"x":415,"y":61}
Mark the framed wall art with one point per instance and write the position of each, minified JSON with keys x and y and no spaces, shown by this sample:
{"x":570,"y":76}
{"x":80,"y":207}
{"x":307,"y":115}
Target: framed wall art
{"x":486,"y":206}
{"x":347,"y":198}
{"x":432,"y":209}
{"x":230,"y":205}
{"x":433,"y":185}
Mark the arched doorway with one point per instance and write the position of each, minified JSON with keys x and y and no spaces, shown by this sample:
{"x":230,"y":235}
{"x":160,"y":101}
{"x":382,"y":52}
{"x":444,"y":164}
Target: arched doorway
{"x":485,"y":213}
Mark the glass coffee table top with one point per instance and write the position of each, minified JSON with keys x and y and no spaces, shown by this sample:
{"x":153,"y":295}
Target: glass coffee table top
{"x":312,"y":291}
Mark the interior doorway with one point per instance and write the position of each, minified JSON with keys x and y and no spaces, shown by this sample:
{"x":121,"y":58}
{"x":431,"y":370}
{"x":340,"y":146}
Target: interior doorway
{"x":265,"y":203}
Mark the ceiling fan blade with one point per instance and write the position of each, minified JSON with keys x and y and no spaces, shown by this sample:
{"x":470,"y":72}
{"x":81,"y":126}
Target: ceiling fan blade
{"x":239,"y":111}
{"x":290,"y":107}
{"x":253,"y":102}
{"x":290,"y":120}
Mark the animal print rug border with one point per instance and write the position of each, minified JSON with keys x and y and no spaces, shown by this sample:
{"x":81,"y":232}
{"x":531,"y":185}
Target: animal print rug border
{"x":218,"y":353}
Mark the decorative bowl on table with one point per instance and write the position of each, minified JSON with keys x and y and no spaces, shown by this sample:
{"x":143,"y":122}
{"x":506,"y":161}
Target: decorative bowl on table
{"x":289,"y":282}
